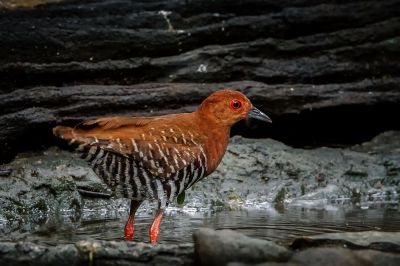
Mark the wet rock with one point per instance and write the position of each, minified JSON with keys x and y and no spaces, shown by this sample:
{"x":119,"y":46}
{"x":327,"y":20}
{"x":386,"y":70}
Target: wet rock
{"x":364,"y":238}
{"x":260,"y":171}
{"x":376,"y":258}
{"x":385,"y":241}
{"x":253,"y":174}
{"x":5,"y":171}
{"x":211,"y":247}
{"x":385,"y":143}
{"x":44,"y":186}
{"x":221,"y":247}
{"x":341,"y":256}
{"x":95,"y":253}
{"x":23,"y":253}
{"x":335,"y":257}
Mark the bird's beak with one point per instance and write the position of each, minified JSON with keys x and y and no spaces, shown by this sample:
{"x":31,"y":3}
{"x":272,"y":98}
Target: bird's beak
{"x":257,"y":114}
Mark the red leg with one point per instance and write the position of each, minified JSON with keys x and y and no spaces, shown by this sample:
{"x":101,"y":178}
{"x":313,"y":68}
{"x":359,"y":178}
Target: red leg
{"x":155,"y":226}
{"x":129,"y":227}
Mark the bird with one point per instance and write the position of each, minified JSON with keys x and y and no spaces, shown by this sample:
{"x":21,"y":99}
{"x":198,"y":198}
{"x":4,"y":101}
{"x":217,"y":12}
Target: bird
{"x":157,"y":158}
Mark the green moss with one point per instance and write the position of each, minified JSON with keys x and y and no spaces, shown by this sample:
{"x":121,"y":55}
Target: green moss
{"x":180,"y":200}
{"x":233,"y":196}
{"x":15,"y":211}
{"x":303,"y":189}
{"x":280,"y":197}
{"x":41,"y":205}
{"x":10,"y":216}
{"x":217,"y":203}
{"x":20,"y":209}
{"x":62,"y":184}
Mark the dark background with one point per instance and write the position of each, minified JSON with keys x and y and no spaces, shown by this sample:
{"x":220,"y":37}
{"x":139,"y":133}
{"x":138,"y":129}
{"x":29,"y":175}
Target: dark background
{"x":326,"y":72}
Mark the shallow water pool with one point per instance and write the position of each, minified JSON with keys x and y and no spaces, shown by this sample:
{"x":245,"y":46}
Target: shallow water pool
{"x":178,"y":225}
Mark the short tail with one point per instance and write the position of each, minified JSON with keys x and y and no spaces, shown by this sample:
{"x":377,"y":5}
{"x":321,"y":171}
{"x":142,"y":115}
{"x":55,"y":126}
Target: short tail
{"x":63,"y":132}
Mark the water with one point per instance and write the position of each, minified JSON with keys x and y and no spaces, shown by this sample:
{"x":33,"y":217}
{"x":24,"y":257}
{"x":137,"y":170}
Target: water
{"x":178,"y":227}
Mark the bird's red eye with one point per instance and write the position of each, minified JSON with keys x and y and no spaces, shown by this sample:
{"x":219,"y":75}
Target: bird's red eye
{"x":235,"y":104}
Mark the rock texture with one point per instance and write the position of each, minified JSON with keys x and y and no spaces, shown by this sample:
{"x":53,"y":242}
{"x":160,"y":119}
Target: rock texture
{"x":257,"y":171}
{"x":29,"y":115}
{"x":95,"y":253}
{"x":327,"y":73}
{"x":36,"y":188}
{"x":125,"y":41}
{"x":385,"y":241}
{"x":318,"y":69}
{"x":221,"y":247}
{"x":211,"y":248}
{"x":340,"y":256}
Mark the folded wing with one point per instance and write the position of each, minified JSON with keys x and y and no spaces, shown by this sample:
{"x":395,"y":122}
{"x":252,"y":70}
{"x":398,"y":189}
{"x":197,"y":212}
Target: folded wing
{"x":158,"y":145}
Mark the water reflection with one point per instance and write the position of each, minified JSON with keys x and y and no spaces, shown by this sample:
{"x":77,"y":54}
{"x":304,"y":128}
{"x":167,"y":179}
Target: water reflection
{"x":178,"y":226}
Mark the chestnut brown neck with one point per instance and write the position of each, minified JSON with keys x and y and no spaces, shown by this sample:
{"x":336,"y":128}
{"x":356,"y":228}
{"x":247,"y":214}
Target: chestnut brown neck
{"x":216,"y":138}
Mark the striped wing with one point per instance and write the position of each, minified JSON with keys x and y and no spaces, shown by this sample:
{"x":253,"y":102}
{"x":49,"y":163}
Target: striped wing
{"x":161,"y":150}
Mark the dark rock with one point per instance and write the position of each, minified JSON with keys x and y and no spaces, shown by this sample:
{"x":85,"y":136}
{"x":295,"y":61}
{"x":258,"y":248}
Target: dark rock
{"x":28,"y":115}
{"x":326,"y":256}
{"x":281,"y":174}
{"x":385,"y":143}
{"x":25,"y":253}
{"x":265,"y":264}
{"x":364,"y":238}
{"x":95,"y":253}
{"x":384,"y":241}
{"x":221,"y":247}
{"x":335,"y":256}
{"x":5,"y":171}
{"x":376,"y":258}
{"x":341,"y":256}
{"x":286,"y":42}
{"x":211,"y":248}
{"x":324,"y":66}
{"x":333,"y":79}
{"x":44,"y":186}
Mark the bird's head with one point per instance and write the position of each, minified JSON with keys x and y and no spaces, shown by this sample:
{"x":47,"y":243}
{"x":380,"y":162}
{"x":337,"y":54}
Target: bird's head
{"x":226,"y":107}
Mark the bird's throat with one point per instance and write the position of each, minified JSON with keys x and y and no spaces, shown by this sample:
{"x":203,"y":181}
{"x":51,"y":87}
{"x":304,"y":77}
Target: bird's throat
{"x":215,"y":145}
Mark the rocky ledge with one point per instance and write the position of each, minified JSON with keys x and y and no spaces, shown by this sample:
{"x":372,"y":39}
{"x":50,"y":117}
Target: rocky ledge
{"x":225,"y":247}
{"x":253,"y":174}
{"x":319,"y":70}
